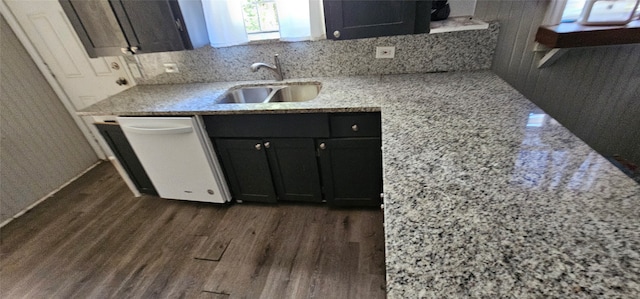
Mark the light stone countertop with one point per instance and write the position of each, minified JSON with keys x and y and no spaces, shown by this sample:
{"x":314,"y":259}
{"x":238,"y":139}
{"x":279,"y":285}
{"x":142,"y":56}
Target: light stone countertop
{"x":485,"y":195}
{"x":338,"y":94}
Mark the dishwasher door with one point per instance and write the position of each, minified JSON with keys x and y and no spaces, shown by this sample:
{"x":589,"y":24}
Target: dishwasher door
{"x":177,"y":157}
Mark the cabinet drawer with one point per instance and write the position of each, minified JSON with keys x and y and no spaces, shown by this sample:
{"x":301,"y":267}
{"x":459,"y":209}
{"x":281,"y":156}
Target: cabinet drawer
{"x":355,"y":125}
{"x":268,"y":125}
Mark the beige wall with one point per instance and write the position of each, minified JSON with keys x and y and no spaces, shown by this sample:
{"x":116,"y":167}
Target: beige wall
{"x":595,"y":92}
{"x":41,"y":147}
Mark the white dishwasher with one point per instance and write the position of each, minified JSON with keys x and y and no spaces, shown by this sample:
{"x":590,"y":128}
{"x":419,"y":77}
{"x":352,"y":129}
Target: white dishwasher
{"x":178,"y":157}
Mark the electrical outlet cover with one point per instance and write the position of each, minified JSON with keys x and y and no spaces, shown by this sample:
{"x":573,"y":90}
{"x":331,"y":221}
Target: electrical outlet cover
{"x":385,"y":52}
{"x":171,"y":68}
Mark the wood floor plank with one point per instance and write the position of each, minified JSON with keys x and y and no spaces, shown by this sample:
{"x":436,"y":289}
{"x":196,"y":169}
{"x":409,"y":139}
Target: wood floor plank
{"x":280,"y":273}
{"x":210,"y":295}
{"x":336,"y":270}
{"x":371,"y":240}
{"x":93,"y":239}
{"x":54,"y":211}
{"x":155,"y":258}
{"x":55,"y":249}
{"x":127,"y":255}
{"x":247,"y":252}
{"x":211,"y":250}
{"x":292,"y":279}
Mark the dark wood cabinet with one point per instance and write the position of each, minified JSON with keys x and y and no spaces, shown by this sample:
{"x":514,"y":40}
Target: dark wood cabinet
{"x":97,"y":27}
{"x":347,"y":19}
{"x":295,"y":169}
{"x":268,"y":125}
{"x":301,"y":157}
{"x":121,"y":148}
{"x":246,"y":167}
{"x":271,"y":169}
{"x":351,"y":160}
{"x":117,"y":27}
{"x":351,"y":170}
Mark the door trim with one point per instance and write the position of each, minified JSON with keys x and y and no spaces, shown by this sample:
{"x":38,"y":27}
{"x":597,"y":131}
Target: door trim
{"x":57,"y":89}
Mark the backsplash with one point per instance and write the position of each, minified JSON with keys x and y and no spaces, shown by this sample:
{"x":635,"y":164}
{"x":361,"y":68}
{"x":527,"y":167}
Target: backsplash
{"x":419,"y":53}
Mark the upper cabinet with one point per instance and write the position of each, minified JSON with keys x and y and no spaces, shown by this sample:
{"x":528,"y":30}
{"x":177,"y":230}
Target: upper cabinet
{"x":117,"y":27}
{"x":346,"y":19}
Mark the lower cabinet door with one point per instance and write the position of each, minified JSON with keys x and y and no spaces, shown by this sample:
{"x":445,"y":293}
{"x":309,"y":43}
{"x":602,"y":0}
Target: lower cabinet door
{"x":247,"y":169}
{"x":294,"y":168}
{"x":351,"y":171}
{"x":114,"y":136}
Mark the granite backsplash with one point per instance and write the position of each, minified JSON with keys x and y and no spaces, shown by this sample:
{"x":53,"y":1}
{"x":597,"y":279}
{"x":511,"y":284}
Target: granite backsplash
{"x":419,"y":53}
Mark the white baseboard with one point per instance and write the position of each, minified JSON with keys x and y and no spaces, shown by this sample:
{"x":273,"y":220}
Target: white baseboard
{"x":49,"y":195}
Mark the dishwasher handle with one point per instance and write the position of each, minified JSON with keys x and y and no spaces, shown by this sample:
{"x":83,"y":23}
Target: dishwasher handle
{"x":158,"y":131}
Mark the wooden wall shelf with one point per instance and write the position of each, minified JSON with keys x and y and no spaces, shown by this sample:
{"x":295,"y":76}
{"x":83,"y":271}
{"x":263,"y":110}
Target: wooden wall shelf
{"x":573,"y":35}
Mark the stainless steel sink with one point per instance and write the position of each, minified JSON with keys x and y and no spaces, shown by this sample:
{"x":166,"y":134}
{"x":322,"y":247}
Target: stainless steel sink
{"x":247,"y":95}
{"x":295,"y":92}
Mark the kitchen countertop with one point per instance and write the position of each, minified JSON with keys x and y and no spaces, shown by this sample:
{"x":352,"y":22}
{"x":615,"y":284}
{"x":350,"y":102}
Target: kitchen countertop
{"x":338,"y":94}
{"x":485,"y":195}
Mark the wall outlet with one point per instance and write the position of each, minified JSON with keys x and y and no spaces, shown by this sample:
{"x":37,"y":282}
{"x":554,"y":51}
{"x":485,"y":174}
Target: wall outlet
{"x":171,"y":68}
{"x":385,"y":52}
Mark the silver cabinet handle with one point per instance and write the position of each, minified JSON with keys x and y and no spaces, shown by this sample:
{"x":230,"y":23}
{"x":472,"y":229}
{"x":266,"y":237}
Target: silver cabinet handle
{"x":355,"y":128}
{"x":336,"y":34}
{"x":267,"y":144}
{"x":258,"y":146}
{"x":323,"y":146}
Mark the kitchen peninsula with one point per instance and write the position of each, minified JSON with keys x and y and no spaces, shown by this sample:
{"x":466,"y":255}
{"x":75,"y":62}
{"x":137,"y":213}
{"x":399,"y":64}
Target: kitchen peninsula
{"x":485,"y":195}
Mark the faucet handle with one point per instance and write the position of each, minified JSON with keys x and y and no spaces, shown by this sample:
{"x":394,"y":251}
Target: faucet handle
{"x":279,"y":70}
{"x":276,"y":59}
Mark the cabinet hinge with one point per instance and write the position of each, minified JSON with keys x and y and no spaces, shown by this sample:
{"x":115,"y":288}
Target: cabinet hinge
{"x":129,"y":50}
{"x":179,"y":24}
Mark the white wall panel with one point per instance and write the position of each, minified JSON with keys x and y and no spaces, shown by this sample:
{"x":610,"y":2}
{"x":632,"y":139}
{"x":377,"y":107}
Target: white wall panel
{"x":41,"y":147}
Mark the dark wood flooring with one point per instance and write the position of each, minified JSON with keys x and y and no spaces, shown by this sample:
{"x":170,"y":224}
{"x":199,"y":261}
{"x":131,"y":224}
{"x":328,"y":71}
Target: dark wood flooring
{"x":93,"y":239}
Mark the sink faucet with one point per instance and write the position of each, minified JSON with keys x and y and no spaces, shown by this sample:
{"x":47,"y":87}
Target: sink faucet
{"x":277,"y":69}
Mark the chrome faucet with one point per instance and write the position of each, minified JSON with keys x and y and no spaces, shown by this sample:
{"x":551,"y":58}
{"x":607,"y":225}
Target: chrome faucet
{"x":276,"y":69}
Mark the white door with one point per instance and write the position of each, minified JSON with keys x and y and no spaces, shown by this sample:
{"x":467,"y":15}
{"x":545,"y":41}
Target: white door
{"x":85,"y":80}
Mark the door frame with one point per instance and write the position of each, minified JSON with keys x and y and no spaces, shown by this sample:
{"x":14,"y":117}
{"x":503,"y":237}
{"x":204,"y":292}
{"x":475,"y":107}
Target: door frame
{"x":57,"y":89}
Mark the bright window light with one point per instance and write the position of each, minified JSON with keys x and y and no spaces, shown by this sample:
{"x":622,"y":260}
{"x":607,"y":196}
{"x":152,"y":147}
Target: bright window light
{"x":603,"y":10}
{"x":261,"y":19}
{"x":572,"y":10}
{"x":535,"y":120}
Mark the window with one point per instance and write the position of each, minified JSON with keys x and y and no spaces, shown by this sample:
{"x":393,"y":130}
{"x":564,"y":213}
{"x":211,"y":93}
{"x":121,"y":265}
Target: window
{"x":572,"y":10}
{"x":261,"y":19}
{"x":235,"y":22}
{"x":561,"y":36}
{"x":603,"y":11}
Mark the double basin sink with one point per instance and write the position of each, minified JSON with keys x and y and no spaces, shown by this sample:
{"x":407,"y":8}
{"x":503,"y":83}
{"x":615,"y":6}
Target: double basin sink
{"x":293,"y":92}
